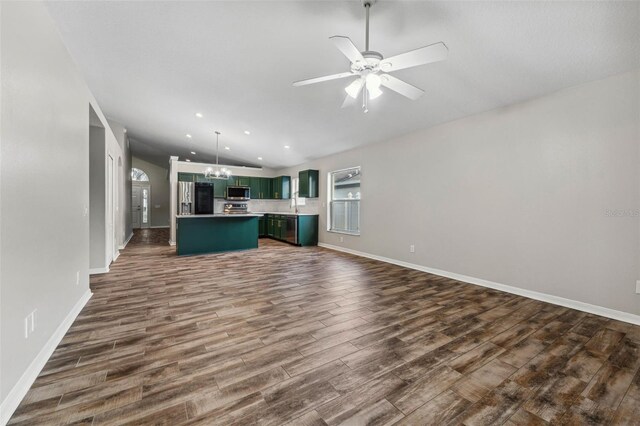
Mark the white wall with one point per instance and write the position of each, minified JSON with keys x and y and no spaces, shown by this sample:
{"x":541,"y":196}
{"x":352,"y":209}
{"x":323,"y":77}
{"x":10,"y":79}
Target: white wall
{"x":124,"y":179}
{"x":104,"y":242}
{"x":516,"y":196}
{"x":97,"y":199}
{"x":159,"y":180}
{"x":44,"y":140}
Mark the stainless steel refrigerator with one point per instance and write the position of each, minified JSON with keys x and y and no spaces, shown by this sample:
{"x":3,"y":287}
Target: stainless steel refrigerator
{"x":186,"y":202}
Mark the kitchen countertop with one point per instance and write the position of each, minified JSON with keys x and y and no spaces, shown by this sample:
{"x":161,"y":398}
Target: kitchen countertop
{"x":288,"y":213}
{"x":204,"y":216}
{"x":252,"y":214}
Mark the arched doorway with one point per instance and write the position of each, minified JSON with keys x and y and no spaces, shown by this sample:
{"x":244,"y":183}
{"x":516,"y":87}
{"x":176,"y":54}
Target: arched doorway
{"x":140,"y":199}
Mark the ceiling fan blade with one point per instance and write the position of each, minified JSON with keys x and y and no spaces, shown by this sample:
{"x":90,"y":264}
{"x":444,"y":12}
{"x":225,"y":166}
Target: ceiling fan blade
{"x":346,"y":46}
{"x":424,"y":55}
{"x":397,"y":85}
{"x":321,"y":79}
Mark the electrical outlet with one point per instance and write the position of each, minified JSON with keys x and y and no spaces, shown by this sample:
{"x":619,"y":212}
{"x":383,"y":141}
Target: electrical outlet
{"x":26,"y":326}
{"x":638,"y":286}
{"x":412,"y":248}
{"x":78,"y":278}
{"x":342,"y":239}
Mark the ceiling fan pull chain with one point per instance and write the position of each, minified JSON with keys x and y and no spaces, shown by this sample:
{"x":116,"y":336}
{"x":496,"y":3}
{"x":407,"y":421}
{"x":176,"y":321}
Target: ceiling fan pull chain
{"x":365,"y":106}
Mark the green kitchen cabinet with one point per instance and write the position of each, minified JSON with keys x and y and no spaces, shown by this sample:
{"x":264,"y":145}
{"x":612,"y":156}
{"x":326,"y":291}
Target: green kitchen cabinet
{"x":271,"y":226}
{"x":308,"y":230}
{"x":260,"y":188}
{"x":186,"y":177}
{"x":276,"y":227}
{"x":265,"y":188}
{"x":242,"y":181}
{"x":201,"y":178}
{"x":212,"y":234}
{"x":282,"y":228}
{"x":262,"y":226}
{"x":220,"y":187}
{"x":281,"y":188}
{"x":254,"y":187}
{"x":308,"y":184}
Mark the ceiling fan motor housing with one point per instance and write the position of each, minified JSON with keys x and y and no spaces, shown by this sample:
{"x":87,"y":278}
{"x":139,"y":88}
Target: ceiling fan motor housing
{"x":371,"y":64}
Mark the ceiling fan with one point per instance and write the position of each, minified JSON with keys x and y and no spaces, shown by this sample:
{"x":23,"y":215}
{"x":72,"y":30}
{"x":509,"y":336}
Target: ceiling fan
{"x":372,"y":68}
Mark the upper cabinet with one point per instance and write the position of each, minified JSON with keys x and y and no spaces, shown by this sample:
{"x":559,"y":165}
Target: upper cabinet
{"x":262,"y":188}
{"x":281,"y":188}
{"x":242,"y":181}
{"x":186,"y":177}
{"x":194,"y":177}
{"x":220,"y":187}
{"x":308,"y":184}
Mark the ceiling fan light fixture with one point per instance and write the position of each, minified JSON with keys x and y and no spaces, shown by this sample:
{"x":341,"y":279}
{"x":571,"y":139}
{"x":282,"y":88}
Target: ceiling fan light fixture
{"x":368,"y":64}
{"x":374,"y":92}
{"x":354,"y":88}
{"x":373,"y":81}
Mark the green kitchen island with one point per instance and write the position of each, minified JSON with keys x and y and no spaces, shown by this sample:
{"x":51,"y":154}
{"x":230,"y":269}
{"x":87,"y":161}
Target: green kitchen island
{"x":215,"y":233}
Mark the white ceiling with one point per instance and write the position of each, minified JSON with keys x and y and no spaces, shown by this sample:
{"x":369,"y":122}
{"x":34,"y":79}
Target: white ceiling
{"x":152,"y":65}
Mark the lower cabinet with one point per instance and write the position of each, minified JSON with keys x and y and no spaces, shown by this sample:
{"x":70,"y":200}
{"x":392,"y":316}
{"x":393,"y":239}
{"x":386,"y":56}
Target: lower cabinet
{"x":276,"y":226}
{"x":262,"y":227}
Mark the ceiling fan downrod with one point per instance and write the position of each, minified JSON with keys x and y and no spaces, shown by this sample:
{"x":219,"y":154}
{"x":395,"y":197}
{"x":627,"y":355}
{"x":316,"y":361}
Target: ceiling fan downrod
{"x":367,"y":6}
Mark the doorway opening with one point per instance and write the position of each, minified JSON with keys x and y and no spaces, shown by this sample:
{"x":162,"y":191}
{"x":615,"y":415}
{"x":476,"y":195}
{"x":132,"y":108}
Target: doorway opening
{"x":140,"y":199}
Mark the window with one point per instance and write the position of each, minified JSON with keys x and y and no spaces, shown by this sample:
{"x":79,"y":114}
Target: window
{"x":295,"y":200}
{"x":344,"y":201}
{"x":138,"y":175}
{"x":145,"y":205}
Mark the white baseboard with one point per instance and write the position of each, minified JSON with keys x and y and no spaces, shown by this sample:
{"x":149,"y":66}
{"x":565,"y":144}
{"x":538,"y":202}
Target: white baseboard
{"x":126,"y":242}
{"x":544,"y":297}
{"x":116,"y":256}
{"x":96,"y":271}
{"x":172,"y":243}
{"x":20,"y":389}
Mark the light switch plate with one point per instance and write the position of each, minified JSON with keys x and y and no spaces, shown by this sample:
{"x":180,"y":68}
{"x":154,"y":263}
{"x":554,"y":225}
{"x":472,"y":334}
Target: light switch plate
{"x":638,"y":286}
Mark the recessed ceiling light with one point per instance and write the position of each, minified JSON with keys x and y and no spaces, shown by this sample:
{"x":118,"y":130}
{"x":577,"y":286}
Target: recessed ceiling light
{"x":246,"y":132}
{"x":199,"y":114}
{"x":227,"y":148}
{"x":260,"y":158}
{"x":287,"y":147}
{"x":193,"y":153}
{"x":188,"y":160}
{"x":188,"y":136}
{"x":125,"y":130}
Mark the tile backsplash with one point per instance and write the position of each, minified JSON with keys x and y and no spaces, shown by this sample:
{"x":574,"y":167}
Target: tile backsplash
{"x":311,"y":205}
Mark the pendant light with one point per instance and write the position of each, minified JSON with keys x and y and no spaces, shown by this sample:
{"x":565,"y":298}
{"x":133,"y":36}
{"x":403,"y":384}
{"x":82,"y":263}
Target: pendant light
{"x":218,"y":173}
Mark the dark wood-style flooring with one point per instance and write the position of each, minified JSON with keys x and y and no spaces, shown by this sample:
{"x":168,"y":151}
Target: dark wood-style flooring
{"x":308,"y":336}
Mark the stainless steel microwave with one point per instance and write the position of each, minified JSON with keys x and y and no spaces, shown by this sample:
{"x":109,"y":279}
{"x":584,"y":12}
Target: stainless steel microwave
{"x":238,"y":193}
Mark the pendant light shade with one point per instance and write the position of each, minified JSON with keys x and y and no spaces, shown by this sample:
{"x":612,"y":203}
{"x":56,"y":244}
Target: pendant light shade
{"x":218,"y":173}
